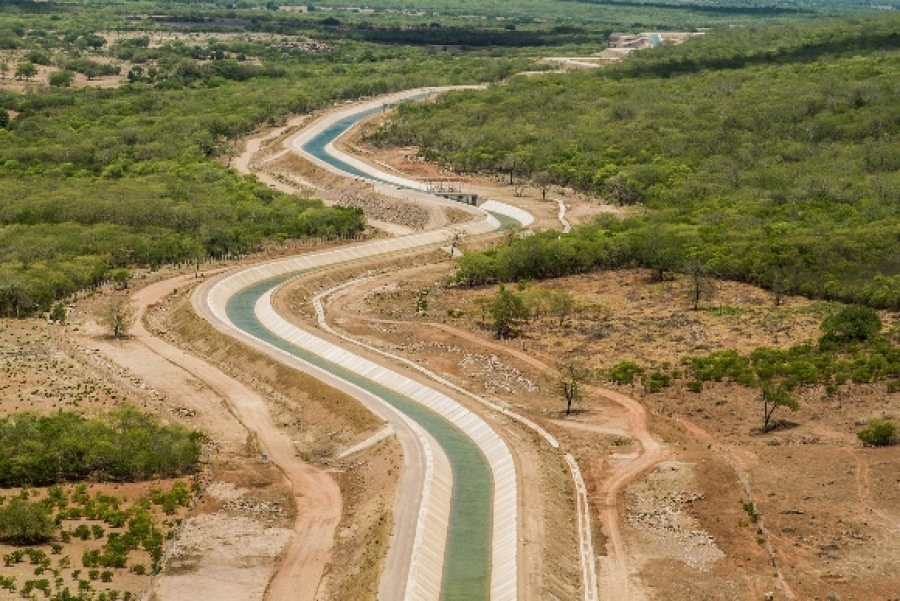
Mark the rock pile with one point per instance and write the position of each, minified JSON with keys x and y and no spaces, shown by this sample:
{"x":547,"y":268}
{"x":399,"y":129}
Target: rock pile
{"x":389,"y":210}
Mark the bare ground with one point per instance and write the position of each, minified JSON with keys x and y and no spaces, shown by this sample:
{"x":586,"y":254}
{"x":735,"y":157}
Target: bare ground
{"x":830,"y":508}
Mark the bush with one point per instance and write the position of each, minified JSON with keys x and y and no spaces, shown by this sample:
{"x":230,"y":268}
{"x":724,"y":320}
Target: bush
{"x":657,"y":381}
{"x":879,"y":433}
{"x":695,"y":386}
{"x":125,"y":445}
{"x":25,"y":523}
{"x":624,"y":372}
{"x":852,"y":323}
{"x":61,"y":79}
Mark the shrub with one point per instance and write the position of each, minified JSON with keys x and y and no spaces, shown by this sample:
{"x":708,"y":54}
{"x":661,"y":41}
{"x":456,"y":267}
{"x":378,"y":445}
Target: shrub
{"x":879,"y":433}
{"x":852,"y":323}
{"x":125,"y":445}
{"x":82,"y":531}
{"x":695,"y":386}
{"x":657,"y":381}
{"x":25,"y":523}
{"x":624,"y":372}
{"x":90,"y":558}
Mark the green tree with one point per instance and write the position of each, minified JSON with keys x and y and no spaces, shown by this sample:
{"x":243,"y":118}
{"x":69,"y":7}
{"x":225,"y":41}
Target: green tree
{"x":879,"y":433}
{"x":561,"y":304}
{"x":570,"y":375}
{"x":58,"y":313}
{"x":852,"y":323}
{"x":120,"y":276}
{"x":26,"y":70}
{"x":25,"y":523}
{"x":117,"y":315}
{"x":61,"y":79}
{"x":4,"y":118}
{"x":773,"y":397}
{"x":508,"y":310}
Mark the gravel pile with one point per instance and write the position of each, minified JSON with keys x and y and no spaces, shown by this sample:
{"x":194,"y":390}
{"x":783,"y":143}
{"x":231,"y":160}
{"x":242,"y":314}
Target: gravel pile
{"x":497,"y":376}
{"x":380,"y":208}
{"x":658,"y":511}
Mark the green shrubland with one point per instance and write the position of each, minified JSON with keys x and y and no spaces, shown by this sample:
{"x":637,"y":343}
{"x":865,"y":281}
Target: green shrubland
{"x":768,"y":156}
{"x":98,"y":179}
{"x":125,"y":445}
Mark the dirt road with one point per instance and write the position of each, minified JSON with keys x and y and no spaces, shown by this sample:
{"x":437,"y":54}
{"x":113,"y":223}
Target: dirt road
{"x":316,"y":495}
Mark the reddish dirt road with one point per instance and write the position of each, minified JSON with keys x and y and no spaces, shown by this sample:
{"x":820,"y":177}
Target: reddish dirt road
{"x":316,"y":495}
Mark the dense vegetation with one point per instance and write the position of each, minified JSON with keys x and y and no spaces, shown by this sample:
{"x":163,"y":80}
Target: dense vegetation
{"x":125,"y":445}
{"x":98,"y":179}
{"x":769,"y":156}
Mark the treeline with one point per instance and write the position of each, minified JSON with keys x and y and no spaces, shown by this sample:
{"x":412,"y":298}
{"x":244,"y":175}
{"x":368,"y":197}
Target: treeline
{"x":835,"y":267}
{"x":125,"y":445}
{"x":710,"y":8}
{"x":437,"y":35}
{"x":783,"y":175}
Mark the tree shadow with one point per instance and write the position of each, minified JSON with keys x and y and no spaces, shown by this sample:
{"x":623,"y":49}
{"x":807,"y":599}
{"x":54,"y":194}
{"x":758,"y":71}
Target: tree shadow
{"x":779,"y":425}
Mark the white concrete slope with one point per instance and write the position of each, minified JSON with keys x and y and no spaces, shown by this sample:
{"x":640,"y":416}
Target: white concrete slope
{"x":520,"y":215}
{"x":504,"y":543}
{"x":422,"y":502}
{"x":424,"y":560}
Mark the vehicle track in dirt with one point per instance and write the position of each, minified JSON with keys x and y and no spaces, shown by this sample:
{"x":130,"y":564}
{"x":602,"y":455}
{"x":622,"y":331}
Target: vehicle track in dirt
{"x":316,"y":495}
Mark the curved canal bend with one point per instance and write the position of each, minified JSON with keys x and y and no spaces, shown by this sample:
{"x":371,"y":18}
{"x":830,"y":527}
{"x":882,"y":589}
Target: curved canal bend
{"x":479,"y":556}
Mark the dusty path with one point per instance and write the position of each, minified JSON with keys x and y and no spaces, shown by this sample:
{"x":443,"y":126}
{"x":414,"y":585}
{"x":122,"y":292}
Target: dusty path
{"x":741,"y":472}
{"x":316,"y":495}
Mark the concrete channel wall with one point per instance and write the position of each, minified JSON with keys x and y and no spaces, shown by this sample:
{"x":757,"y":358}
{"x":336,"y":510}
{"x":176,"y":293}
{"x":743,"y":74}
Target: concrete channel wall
{"x":426,"y":561}
{"x":504,"y":541}
{"x":520,"y":215}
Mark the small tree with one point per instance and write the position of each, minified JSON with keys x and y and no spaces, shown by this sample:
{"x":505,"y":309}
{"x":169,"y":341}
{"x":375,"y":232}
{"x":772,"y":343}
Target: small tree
{"x":570,"y":375}
{"x":879,"y":433}
{"x":542,"y":181}
{"x":507,"y":309}
{"x":25,"y":523}
{"x":118,"y":315}
{"x":120,"y":276}
{"x":58,"y":313}
{"x":773,"y":397}
{"x":700,"y":285}
{"x":562,"y":304}
{"x":61,"y":79}
{"x":852,"y":323}
{"x":26,"y":70}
